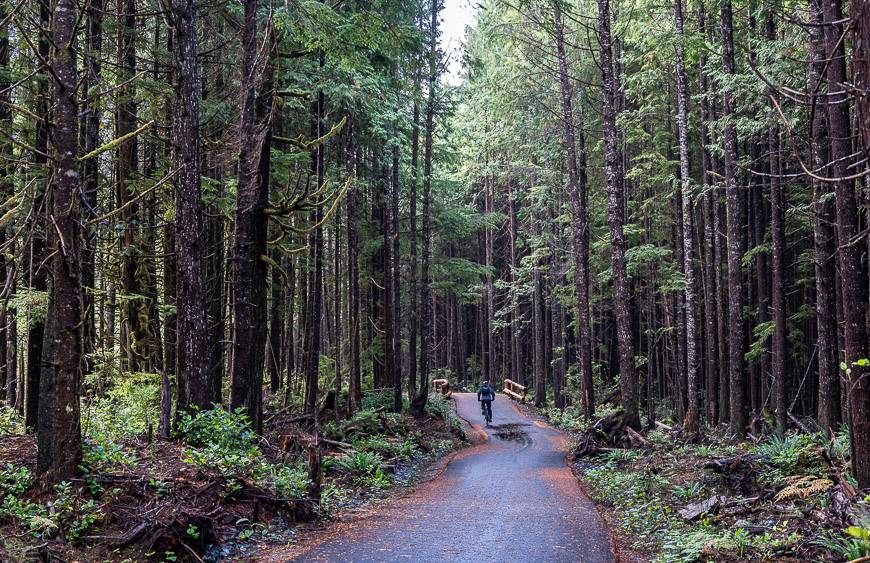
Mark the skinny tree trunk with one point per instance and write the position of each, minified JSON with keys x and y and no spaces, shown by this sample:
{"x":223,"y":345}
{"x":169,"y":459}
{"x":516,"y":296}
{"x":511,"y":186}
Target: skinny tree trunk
{"x":355,"y":383}
{"x":710,"y":295}
{"x":579,"y":208}
{"x":616,"y":221}
{"x":8,"y":374}
{"x":859,"y":379}
{"x":418,"y":405}
{"x":693,"y":410}
{"x":312,"y":372}
{"x":517,"y":373}
{"x":37,"y":270}
{"x":90,"y":140}
{"x":489,"y":251}
{"x":777,"y":231}
{"x":135,"y":310}
{"x":824,"y":240}
{"x":734,"y":219}
{"x":413,"y":316}
{"x":387,"y":283}
{"x":396,"y":283}
{"x":539,"y":330}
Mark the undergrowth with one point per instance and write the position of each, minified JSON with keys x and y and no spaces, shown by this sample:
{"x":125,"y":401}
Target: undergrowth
{"x":219,"y":447}
{"x":783,"y":506}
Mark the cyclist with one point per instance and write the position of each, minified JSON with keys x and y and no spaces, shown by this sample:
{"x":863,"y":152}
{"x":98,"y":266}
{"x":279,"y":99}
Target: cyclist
{"x":486,"y":395}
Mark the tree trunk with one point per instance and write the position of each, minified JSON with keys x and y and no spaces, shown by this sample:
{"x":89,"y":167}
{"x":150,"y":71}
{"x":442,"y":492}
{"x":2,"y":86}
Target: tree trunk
{"x":693,"y":410}
{"x":194,"y":387}
{"x":90,"y":140}
{"x":580,"y":221}
{"x":852,"y":278}
{"x":312,"y":352}
{"x":539,"y":329}
{"x":37,"y":270}
{"x":251,"y":227}
{"x":489,"y":251}
{"x":734,"y":220}
{"x":355,"y":383}
{"x":824,"y":240}
{"x":418,"y":405}
{"x":59,"y":438}
{"x":413,"y":317}
{"x":517,"y":373}
{"x":710,"y":295}
{"x":777,"y":218}
{"x":616,"y":221}
{"x":135,"y":310}
{"x":396,"y":282}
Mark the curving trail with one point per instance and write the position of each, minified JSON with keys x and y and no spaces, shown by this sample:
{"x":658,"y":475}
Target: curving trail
{"x":510,"y":498}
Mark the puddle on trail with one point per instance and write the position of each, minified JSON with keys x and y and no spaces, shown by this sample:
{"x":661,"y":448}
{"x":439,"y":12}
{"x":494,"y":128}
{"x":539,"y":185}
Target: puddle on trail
{"x":511,"y":432}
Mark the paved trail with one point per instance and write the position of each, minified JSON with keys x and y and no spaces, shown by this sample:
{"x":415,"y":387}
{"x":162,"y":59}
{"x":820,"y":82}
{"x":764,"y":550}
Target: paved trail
{"x":512,"y":498}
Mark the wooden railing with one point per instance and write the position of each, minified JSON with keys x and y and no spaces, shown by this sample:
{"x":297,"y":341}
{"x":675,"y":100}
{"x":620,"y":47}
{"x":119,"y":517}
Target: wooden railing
{"x":441,"y":386}
{"x":514,"y":390}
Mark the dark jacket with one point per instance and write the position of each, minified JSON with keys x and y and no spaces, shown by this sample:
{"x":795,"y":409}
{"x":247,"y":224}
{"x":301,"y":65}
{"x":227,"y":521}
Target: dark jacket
{"x":486,"y":393}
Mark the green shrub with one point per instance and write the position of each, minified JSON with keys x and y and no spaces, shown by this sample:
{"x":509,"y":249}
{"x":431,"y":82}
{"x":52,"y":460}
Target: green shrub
{"x":14,"y":481}
{"x":11,"y":423}
{"x":682,"y":545}
{"x":659,"y":438}
{"x":790,"y":455}
{"x":290,"y":482}
{"x":361,"y":462}
{"x":380,"y":400}
{"x":617,"y":456}
{"x":570,"y":418}
{"x":854,"y":543}
{"x":376,"y":481}
{"x":68,"y":513}
{"x":439,"y":406}
{"x":32,"y":516}
{"x":404,"y":450}
{"x":223,"y":440}
{"x":123,"y":404}
{"x":331,"y":497}
{"x":689,"y":491}
{"x":366,"y":423}
{"x":100,"y":454}
{"x":73,"y":514}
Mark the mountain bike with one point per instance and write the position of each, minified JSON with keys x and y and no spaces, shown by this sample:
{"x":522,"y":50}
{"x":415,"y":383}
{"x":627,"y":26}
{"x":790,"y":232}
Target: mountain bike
{"x":486,"y":406}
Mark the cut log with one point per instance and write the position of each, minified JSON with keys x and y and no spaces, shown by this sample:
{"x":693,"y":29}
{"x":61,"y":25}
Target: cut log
{"x":662,"y":426}
{"x":695,"y":510}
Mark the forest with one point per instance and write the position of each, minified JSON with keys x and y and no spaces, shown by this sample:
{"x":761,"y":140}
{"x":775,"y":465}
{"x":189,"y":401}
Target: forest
{"x":241,"y":240}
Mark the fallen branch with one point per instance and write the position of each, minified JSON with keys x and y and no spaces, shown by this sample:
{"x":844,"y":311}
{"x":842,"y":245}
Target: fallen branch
{"x":124,"y":539}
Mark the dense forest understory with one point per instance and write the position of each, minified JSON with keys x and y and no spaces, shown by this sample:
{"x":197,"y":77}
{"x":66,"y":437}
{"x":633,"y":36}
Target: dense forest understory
{"x":241,"y":239}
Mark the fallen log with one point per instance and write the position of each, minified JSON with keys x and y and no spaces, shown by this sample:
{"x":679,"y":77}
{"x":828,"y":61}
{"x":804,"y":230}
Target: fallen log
{"x":635,"y":438}
{"x":125,"y":539}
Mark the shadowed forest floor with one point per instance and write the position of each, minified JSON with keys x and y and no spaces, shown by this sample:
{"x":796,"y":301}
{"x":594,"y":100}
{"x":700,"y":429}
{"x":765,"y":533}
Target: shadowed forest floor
{"x":219,"y":491}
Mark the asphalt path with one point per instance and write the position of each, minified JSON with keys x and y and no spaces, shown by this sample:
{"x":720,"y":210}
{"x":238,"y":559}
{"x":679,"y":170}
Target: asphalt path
{"x":511,"y":498}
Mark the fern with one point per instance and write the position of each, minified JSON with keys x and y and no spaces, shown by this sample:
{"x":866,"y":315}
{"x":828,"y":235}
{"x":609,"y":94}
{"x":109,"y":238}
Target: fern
{"x":798,"y":487}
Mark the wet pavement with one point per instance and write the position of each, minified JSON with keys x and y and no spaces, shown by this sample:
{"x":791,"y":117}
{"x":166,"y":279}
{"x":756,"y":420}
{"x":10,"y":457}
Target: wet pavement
{"x":510,"y":498}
